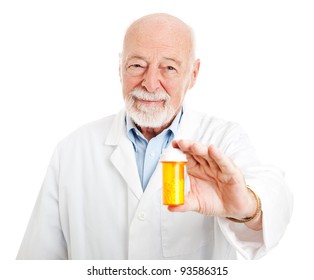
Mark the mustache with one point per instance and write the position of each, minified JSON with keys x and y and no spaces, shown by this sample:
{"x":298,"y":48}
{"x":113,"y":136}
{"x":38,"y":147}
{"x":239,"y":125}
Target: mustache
{"x":149,"y":96}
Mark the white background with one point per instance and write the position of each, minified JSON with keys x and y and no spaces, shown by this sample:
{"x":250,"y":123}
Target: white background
{"x":59,"y":70}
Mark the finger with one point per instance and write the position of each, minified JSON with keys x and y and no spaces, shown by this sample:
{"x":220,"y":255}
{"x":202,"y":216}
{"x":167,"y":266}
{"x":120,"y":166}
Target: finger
{"x":189,"y":205}
{"x":223,"y":162}
{"x":201,"y":154}
{"x":183,"y":145}
{"x":200,"y":160}
{"x":179,"y":208}
{"x":198,"y":149}
{"x":196,"y":152}
{"x":175,"y":144}
{"x":191,"y":147}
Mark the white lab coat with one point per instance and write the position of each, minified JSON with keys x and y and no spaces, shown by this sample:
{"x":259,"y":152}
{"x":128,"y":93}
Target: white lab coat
{"x":91,"y":205}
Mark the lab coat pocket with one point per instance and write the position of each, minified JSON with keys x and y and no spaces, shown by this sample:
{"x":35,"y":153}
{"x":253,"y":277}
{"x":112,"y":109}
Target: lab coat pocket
{"x":185,"y":233}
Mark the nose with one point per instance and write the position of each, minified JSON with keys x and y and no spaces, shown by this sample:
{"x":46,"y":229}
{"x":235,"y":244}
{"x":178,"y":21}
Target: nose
{"x":151,"y":79}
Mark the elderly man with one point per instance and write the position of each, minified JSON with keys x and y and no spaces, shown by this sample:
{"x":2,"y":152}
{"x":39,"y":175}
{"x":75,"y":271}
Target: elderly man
{"x":101,"y":198}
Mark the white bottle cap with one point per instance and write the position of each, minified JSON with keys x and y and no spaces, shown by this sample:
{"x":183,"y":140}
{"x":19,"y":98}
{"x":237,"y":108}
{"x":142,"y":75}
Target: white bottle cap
{"x":173,"y":155}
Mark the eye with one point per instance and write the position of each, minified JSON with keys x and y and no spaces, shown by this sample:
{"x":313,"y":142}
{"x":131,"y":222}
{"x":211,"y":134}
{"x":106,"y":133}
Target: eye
{"x":171,"y":68}
{"x":135,"y":69}
{"x":136,"y":66}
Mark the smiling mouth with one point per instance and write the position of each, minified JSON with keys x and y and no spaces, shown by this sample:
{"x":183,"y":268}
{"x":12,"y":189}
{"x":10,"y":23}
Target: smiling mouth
{"x":150,"y":102}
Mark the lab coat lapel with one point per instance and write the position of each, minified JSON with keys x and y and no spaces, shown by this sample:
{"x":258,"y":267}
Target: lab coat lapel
{"x":123,"y":157}
{"x":155,"y":182}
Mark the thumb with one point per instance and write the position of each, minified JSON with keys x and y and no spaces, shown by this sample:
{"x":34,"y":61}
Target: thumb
{"x":189,"y":205}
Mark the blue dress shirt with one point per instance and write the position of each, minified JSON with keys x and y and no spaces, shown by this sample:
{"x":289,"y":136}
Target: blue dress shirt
{"x":147,"y":153}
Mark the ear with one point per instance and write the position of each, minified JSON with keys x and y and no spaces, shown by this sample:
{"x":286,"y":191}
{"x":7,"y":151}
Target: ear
{"x":120,"y":61}
{"x":194,"y":74}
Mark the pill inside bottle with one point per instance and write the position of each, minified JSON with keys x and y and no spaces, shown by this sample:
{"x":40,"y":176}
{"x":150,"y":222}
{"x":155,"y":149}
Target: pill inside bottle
{"x":173,"y":166}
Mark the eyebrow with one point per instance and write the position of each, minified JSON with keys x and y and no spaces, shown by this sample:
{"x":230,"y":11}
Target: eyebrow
{"x":174,"y":60}
{"x":164,"y":58}
{"x":136,"y":57}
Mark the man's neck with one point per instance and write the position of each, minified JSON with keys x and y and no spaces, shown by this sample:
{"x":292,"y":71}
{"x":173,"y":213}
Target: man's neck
{"x":151,"y":132}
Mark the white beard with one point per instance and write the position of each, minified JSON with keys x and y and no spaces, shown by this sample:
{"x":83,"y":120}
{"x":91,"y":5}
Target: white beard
{"x":147,"y":115}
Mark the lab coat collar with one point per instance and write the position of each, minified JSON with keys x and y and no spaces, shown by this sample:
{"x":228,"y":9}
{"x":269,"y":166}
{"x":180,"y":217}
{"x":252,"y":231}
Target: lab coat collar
{"x":117,"y":130}
{"x":123,"y":155}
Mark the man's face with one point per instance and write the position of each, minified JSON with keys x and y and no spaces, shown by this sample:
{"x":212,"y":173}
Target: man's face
{"x":156,"y":71}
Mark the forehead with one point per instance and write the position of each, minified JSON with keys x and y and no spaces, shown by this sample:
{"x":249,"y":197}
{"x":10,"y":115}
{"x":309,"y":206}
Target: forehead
{"x":168,"y":39}
{"x":159,"y":54}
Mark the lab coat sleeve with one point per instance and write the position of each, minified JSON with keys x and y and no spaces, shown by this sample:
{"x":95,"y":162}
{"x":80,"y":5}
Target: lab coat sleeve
{"x":276,"y":199}
{"x":44,"y":238}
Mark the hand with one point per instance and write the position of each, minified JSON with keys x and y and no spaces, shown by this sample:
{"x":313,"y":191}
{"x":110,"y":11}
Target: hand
{"x":218,"y":187}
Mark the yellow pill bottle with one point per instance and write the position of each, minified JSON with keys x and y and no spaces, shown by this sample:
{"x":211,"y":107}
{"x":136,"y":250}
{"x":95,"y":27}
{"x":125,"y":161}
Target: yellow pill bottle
{"x":173,"y":172}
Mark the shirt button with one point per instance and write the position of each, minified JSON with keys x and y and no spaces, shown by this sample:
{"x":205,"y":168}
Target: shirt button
{"x":141,"y":216}
{"x":152,"y":154}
